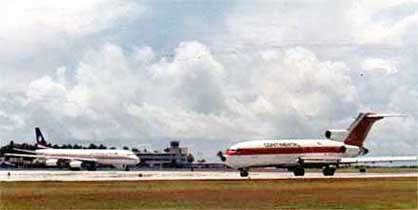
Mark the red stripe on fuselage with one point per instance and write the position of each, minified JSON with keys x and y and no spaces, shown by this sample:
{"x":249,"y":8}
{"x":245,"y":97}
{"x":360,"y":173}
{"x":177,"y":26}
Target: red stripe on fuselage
{"x":283,"y":150}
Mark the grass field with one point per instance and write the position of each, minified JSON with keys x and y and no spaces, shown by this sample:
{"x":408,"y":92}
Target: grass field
{"x":380,"y":170}
{"x":379,"y":193}
{"x":356,"y":170}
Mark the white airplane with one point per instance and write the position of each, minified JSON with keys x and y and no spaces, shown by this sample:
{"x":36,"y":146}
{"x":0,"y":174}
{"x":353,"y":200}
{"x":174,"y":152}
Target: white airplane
{"x":341,"y":147}
{"x":75,"y":159}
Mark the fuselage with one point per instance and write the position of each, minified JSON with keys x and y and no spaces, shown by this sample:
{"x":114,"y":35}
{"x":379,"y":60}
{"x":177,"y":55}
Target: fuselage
{"x":285,"y":152}
{"x":104,"y":157}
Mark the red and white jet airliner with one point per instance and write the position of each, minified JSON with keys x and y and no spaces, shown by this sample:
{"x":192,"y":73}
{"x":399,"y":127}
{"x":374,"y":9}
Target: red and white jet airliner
{"x":340,"y":147}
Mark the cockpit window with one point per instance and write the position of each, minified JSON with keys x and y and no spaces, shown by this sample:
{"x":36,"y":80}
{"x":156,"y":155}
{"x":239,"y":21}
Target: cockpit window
{"x":234,"y":150}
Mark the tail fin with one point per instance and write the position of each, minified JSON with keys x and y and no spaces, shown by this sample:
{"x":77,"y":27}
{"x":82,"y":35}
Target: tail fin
{"x":359,"y":129}
{"x":40,"y":140}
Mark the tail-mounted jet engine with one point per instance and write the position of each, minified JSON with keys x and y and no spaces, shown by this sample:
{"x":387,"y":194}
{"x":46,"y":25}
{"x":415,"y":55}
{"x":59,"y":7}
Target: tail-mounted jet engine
{"x":336,"y":135}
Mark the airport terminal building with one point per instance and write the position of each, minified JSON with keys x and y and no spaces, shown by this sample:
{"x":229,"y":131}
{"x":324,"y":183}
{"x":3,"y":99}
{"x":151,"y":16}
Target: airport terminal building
{"x":173,"y":156}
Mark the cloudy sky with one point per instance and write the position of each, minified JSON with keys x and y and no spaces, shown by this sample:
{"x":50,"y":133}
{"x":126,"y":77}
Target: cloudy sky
{"x":210,"y":73}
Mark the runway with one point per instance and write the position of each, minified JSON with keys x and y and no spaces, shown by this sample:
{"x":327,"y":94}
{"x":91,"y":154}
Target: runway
{"x":37,"y":175}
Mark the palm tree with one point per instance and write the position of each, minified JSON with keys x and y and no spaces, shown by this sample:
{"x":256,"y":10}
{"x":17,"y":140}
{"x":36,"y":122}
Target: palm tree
{"x":190,"y":158}
{"x":92,"y":146}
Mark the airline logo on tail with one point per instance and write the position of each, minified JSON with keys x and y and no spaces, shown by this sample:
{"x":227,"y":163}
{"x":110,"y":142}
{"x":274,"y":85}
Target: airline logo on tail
{"x":40,"y":140}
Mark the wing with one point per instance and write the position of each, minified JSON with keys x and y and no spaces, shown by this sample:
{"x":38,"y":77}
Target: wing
{"x":388,"y":159}
{"x":25,"y":150}
{"x":22,"y":155}
{"x":325,"y":160}
{"x":51,"y":157}
{"x":318,"y":160}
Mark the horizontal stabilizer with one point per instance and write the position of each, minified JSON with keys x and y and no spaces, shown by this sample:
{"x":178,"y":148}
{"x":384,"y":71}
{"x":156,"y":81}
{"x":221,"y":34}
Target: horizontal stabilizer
{"x":386,"y":115}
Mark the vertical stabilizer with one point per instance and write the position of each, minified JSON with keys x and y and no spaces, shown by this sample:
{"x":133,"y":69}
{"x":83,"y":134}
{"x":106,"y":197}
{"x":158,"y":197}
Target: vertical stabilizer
{"x":40,"y":140}
{"x":359,"y":129}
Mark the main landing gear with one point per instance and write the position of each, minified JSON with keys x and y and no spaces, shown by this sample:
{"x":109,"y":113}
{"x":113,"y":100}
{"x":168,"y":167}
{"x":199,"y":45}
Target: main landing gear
{"x":328,"y":170}
{"x":92,"y":167}
{"x":363,"y":170}
{"x":299,"y":171}
{"x":243,"y":172}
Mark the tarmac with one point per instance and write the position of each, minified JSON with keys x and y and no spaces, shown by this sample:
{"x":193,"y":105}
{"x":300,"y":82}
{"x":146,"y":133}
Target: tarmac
{"x":50,"y":175}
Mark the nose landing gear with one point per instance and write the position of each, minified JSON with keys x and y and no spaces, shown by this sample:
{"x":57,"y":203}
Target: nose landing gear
{"x":243,"y":172}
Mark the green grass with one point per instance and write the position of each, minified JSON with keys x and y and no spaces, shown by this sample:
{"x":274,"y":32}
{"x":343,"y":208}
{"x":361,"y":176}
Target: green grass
{"x":378,"y":193}
{"x":381,"y":170}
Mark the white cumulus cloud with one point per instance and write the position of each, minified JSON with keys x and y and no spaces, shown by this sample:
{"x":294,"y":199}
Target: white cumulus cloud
{"x":379,"y":65}
{"x":192,"y":95}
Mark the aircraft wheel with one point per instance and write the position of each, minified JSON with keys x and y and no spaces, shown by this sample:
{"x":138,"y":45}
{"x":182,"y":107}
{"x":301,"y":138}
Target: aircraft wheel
{"x":91,"y":168}
{"x":61,"y":165}
{"x":243,"y":173}
{"x":127,"y":168}
{"x":300,"y":171}
{"x":328,"y":171}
